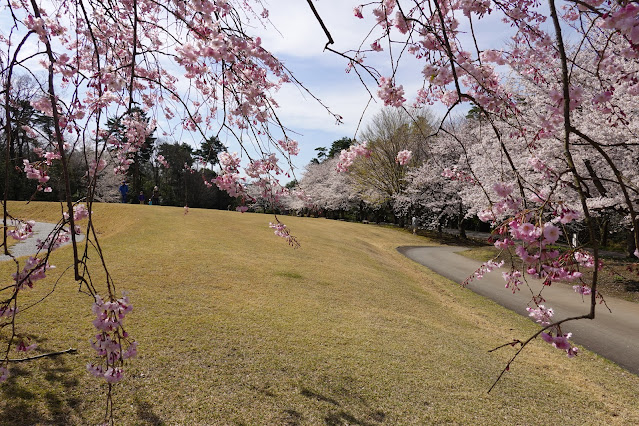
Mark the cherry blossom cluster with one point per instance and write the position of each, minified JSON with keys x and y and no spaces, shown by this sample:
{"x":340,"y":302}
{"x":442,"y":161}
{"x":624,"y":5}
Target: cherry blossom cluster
{"x":560,"y":341}
{"x":162,"y":161}
{"x":7,"y":311}
{"x":541,"y":314}
{"x":55,"y":240}
{"x":62,"y":235}
{"x":389,"y":93}
{"x":544,"y":315}
{"x":112,"y":343}
{"x":136,"y":131}
{"x":485,"y":268}
{"x":25,"y":345}
{"x":290,"y":146}
{"x":34,"y":269}
{"x":261,"y":167}
{"x":230,"y":179}
{"x":80,"y":212}
{"x":347,"y":157}
{"x":282,"y":231}
{"x":22,"y":230}
{"x":38,"y":171}
{"x":455,"y":174}
{"x":403,"y":157}
{"x":513,"y":280}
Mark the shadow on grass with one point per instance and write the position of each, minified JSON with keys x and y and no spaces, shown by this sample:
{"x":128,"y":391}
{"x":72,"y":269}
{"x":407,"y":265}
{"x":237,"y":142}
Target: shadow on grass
{"x":632,"y":286}
{"x":25,"y":402}
{"x":146,"y":414}
{"x":314,"y":395}
{"x":292,"y":418}
{"x":341,"y":416}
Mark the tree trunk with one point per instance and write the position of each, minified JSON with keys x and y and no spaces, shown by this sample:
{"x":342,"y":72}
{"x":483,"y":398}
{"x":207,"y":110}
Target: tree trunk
{"x":631,"y":245}
{"x":460,"y":222}
{"x":603,"y":231}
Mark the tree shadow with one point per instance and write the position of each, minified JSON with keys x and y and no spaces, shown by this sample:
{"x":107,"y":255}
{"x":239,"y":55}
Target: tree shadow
{"x":146,"y":414}
{"x":314,"y":395}
{"x":292,"y":418}
{"x":339,"y":413}
{"x":24,"y":404}
{"x":632,"y":286}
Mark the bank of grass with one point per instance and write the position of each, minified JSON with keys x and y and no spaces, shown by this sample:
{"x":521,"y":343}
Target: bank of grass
{"x":618,"y":278}
{"x":235,"y":327}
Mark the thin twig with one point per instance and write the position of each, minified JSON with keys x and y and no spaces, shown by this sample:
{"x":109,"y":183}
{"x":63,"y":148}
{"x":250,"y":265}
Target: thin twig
{"x":68,"y":351}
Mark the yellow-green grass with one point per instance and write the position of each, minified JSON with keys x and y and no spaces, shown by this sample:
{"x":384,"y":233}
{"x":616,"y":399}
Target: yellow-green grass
{"x":235,"y":327}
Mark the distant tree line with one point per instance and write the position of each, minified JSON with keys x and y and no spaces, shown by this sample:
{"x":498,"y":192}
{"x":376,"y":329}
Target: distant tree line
{"x":439,"y":186}
{"x":186,"y":180}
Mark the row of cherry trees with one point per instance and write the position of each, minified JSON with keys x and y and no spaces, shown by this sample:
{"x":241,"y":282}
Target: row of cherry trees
{"x":556,"y":141}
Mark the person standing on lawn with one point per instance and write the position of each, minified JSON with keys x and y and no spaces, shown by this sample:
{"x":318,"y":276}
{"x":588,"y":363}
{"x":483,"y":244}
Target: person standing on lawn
{"x":124,"y":191}
{"x":155,"y":196}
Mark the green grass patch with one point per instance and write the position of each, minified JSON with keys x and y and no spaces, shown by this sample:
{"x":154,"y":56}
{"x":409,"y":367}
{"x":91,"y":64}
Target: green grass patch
{"x":235,"y":327}
{"x":481,"y":254}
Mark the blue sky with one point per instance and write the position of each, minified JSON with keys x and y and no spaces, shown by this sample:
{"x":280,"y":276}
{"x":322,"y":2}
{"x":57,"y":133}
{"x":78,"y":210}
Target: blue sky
{"x":300,"y":46}
{"x":299,"y":42}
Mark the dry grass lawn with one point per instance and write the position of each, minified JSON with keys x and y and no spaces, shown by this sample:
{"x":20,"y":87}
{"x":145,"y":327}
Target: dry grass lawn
{"x":235,"y":327}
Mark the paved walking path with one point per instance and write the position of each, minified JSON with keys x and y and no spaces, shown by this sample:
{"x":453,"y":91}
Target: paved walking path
{"x":29,"y":247}
{"x":614,"y":336}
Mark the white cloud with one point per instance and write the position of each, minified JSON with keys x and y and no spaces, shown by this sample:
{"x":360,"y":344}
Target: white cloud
{"x":301,"y":33}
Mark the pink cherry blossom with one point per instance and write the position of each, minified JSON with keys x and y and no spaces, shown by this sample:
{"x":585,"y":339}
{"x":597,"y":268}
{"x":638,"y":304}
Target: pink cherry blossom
{"x":23,"y":345}
{"x":389,"y":93}
{"x":289,"y":146}
{"x":582,"y":289}
{"x":280,"y":229}
{"x":347,"y":157}
{"x":502,"y":189}
{"x":541,"y":314}
{"x":551,"y":233}
{"x":22,"y":230}
{"x":403,"y":157}
{"x":113,"y":375}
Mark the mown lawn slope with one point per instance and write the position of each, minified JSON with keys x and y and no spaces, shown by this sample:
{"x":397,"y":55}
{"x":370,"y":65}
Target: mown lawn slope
{"x":235,"y":327}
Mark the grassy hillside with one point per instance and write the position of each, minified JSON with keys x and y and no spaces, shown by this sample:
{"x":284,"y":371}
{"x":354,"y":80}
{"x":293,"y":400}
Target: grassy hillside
{"x":235,"y":327}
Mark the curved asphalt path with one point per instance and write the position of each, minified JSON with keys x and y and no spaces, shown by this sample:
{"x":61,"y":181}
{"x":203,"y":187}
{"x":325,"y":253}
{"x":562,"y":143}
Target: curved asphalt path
{"x":29,"y":247}
{"x":614,"y":336}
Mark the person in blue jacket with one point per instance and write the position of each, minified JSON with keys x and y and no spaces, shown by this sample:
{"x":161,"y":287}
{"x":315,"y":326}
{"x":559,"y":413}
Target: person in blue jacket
{"x":124,"y":191}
